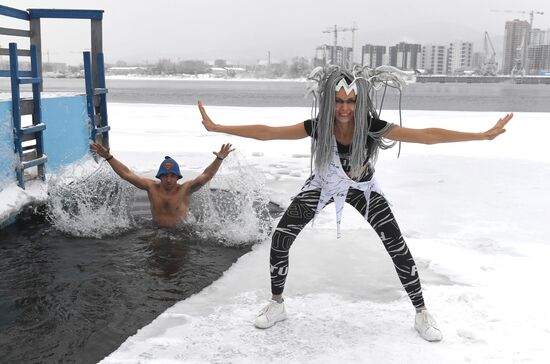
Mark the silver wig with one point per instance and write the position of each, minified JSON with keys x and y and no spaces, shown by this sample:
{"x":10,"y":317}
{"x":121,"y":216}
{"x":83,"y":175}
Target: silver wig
{"x":322,"y":86}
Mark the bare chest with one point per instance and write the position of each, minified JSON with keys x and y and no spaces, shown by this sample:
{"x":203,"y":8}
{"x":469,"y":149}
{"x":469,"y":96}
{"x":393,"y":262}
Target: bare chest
{"x":165,"y":203}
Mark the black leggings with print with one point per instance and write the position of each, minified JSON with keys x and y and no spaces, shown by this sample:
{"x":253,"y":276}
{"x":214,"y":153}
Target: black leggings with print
{"x":380,"y":217}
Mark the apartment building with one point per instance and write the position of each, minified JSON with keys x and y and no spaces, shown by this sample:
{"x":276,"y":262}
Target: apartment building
{"x":433,"y":59}
{"x":405,"y":56}
{"x":373,"y":55}
{"x":459,"y":57}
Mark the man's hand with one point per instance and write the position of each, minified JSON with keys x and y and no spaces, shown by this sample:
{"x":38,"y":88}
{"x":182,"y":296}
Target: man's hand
{"x":100,"y":150}
{"x":206,"y":121}
{"x":224,"y":151}
{"x":498,"y":128}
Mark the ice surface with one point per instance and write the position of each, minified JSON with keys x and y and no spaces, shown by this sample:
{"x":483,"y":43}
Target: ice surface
{"x":475,"y":216}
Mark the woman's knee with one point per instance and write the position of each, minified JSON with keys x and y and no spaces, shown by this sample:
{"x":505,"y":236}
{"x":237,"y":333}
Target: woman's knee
{"x":282,"y":240}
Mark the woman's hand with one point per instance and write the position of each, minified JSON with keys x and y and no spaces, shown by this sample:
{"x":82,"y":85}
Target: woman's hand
{"x":206,"y":121}
{"x":498,"y":128}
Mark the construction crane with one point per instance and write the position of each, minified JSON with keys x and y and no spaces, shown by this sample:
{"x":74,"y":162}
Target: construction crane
{"x":337,"y":29}
{"x":531,"y":13}
{"x":490,"y":65}
{"x":521,"y":51}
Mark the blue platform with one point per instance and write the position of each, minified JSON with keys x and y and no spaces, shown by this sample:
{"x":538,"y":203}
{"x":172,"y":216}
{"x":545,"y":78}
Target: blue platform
{"x":7,"y":154}
{"x":66,"y":137}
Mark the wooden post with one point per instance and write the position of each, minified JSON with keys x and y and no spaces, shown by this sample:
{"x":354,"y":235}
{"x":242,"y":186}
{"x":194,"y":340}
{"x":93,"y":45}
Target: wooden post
{"x":36,"y":41}
{"x":97,"y":47}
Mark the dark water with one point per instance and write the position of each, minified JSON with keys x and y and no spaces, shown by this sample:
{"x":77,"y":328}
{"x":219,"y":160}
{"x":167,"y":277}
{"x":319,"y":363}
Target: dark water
{"x":416,"y":96}
{"x":75,"y":300}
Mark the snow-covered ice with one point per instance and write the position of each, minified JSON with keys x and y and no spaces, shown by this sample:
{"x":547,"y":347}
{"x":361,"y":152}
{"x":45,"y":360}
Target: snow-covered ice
{"x":475,"y":216}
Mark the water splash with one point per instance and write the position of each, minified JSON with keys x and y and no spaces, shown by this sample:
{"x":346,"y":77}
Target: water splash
{"x":88,"y":200}
{"x":234,"y":210}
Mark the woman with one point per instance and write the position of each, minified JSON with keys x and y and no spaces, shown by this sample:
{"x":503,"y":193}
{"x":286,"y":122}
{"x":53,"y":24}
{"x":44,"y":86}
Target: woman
{"x":345,"y":173}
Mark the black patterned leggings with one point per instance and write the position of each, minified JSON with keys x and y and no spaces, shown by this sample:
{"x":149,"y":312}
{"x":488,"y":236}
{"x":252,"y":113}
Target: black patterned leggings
{"x":380,"y":217}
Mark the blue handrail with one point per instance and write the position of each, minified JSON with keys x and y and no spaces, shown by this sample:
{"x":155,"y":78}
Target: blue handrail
{"x":37,"y":112}
{"x":91,"y":92}
{"x":66,"y":14}
{"x":102,"y":88}
{"x":15,"y":106}
{"x":51,"y":13}
{"x":14,"y":13}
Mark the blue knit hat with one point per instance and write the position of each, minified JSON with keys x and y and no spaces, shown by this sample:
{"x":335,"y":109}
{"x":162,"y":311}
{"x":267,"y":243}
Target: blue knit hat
{"x":169,"y":166}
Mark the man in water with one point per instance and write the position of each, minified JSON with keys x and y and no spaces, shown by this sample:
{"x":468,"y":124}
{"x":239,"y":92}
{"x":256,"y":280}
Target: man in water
{"x":169,"y":200}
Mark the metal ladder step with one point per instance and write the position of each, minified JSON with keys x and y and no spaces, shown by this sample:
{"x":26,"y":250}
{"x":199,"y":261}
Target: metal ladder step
{"x":103,"y":129}
{"x":100,"y":91}
{"x":34,"y":162}
{"x":32,"y":129}
{"x":29,"y":80}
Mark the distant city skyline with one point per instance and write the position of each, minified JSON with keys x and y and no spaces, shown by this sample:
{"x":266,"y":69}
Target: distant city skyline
{"x":244,"y":31}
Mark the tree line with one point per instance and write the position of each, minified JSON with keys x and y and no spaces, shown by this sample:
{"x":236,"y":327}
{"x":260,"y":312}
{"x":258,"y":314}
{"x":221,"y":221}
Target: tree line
{"x":295,"y":68}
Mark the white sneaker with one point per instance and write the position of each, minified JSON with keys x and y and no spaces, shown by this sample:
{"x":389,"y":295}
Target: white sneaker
{"x":270,"y":315}
{"x":426,"y":326}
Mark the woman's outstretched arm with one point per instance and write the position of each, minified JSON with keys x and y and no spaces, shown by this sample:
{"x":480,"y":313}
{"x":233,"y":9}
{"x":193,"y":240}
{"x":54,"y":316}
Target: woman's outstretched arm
{"x":438,"y":135}
{"x":257,"y":131}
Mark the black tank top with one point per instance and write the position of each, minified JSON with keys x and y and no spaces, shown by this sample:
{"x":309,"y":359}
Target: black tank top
{"x":344,"y":151}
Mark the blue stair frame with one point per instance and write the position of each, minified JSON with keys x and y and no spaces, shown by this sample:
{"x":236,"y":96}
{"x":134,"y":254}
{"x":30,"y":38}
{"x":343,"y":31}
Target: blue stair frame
{"x":32,"y":153}
{"x":29,"y":139}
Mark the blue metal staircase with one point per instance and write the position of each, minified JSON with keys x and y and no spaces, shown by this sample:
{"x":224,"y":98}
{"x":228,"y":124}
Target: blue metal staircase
{"x":29,"y":139}
{"x":32,"y":153}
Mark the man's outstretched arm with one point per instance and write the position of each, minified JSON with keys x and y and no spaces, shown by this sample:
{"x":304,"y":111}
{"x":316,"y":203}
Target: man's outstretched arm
{"x":210,"y":171}
{"x":120,"y":169}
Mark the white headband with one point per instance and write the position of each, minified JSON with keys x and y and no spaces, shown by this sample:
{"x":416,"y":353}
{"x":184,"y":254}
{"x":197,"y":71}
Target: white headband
{"x":347,"y":88}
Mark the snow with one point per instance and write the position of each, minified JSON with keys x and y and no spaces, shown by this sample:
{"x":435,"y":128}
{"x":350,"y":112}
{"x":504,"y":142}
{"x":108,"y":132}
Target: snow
{"x":13,"y":199}
{"x":46,"y":95}
{"x":475,"y":216}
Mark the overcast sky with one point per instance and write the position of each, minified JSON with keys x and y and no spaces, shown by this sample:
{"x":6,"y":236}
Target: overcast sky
{"x":245,"y":30}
